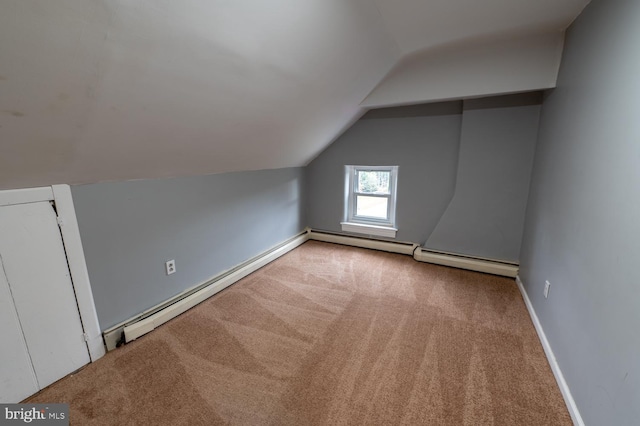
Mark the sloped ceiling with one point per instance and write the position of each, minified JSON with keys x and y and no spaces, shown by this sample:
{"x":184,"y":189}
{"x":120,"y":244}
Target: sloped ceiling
{"x":423,"y":24}
{"x":472,"y":69}
{"x":95,"y":90}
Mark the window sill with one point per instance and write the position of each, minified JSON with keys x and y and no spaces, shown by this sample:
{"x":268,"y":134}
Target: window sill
{"x":377,"y":230}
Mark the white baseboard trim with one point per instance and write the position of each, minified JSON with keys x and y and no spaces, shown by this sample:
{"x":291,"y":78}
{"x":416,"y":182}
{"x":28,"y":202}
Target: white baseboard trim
{"x":420,"y":254}
{"x":371,"y":230}
{"x":472,"y":264}
{"x":154,"y":317}
{"x":362,"y":242}
{"x":562,"y":384}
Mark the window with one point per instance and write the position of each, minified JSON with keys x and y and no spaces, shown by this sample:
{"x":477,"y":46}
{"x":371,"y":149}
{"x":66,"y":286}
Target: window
{"x":370,"y":200}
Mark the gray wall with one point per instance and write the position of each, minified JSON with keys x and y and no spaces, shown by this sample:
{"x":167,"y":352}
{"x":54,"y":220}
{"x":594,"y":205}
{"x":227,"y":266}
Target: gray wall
{"x":208,"y":224}
{"x":422,"y":141}
{"x":486,"y":216}
{"x":463,"y":179}
{"x":583,"y":220}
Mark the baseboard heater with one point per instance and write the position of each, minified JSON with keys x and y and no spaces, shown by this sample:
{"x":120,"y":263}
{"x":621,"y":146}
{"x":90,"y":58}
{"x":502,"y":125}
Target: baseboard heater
{"x":488,"y":266}
{"x":158,"y":315}
{"x":363,"y":242}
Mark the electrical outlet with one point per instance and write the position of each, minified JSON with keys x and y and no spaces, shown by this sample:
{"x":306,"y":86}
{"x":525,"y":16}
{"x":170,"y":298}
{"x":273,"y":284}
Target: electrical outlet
{"x":170,"y":266}
{"x":547,"y":284}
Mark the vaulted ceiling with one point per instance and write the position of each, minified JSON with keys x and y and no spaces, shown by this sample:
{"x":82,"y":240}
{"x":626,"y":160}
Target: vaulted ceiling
{"x":422,"y":24}
{"x":95,"y":90}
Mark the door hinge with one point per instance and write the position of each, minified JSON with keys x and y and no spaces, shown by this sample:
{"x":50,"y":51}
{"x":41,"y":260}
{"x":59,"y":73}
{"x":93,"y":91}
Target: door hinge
{"x":60,"y":221}
{"x":85,"y":337}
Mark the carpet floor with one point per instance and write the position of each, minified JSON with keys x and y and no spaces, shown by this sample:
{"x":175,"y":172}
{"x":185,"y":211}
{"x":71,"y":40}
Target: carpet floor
{"x":331,"y":335}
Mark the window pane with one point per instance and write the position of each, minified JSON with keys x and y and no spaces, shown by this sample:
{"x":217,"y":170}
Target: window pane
{"x":373,"y":182}
{"x":372,"y":206}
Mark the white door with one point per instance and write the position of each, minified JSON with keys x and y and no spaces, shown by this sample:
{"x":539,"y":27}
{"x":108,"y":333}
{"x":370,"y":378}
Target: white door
{"x":36,"y":270}
{"x":17,"y":378}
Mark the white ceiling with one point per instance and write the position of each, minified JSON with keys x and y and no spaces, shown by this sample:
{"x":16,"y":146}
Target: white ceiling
{"x":422,"y":24}
{"x":94,"y":90}
{"x":472,"y":69}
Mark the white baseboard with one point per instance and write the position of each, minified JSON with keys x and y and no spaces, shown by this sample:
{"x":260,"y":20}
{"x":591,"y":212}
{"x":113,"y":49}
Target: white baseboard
{"x":562,"y":384}
{"x":372,"y":230}
{"x":154,"y":317}
{"x":472,"y":264}
{"x":447,"y":259}
{"x":390,"y":246}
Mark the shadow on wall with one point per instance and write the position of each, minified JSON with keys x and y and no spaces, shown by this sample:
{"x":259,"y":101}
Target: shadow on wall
{"x":486,"y":215}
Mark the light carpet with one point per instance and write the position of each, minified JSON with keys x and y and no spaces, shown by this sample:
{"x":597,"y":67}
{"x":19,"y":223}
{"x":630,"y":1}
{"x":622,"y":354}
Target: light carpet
{"x":331,"y":335}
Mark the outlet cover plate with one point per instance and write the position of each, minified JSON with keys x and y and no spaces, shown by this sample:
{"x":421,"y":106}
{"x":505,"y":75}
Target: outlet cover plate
{"x":170,"y":266}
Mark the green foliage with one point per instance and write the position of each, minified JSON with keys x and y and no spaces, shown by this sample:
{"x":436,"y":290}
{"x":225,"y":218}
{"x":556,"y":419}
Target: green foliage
{"x":373,"y":182}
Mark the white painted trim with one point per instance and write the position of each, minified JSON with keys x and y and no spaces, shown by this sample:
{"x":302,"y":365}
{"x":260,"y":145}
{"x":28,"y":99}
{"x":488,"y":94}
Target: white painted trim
{"x":139,"y":328}
{"x":390,"y":246}
{"x":479,"y":265}
{"x":78,"y":268}
{"x":23,"y":196}
{"x":553,"y":363}
{"x":489,"y":259}
{"x":360,"y":228}
{"x":352,"y":193}
{"x":70,"y":233}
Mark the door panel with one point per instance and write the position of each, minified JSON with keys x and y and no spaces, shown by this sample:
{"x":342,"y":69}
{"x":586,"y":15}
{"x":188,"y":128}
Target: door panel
{"x":36,"y":268}
{"x":17,"y":378}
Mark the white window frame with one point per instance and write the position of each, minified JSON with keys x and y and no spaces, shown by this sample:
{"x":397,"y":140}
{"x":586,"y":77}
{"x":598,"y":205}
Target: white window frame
{"x":364,"y":224}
